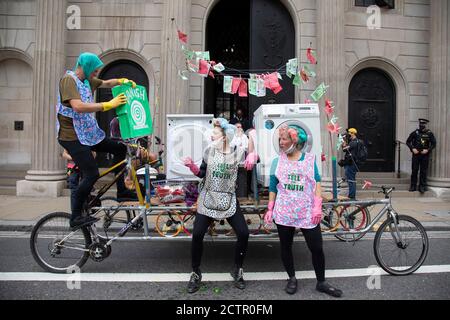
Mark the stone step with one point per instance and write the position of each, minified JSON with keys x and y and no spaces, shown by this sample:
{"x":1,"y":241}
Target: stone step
{"x":9,"y":182}
{"x":376,"y":175}
{"x":8,"y":190}
{"x":10,"y":174}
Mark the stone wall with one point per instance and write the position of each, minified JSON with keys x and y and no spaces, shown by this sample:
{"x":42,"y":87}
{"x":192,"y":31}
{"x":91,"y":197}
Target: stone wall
{"x":401,"y":48}
{"x":303,"y":13}
{"x":17,"y":33}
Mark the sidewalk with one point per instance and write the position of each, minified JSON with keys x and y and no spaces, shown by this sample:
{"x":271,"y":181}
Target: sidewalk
{"x":20,"y":213}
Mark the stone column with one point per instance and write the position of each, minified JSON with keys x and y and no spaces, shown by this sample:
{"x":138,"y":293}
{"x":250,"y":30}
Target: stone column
{"x":331,"y":68}
{"x":174,"y":94}
{"x":47,"y":174}
{"x":440,"y":97}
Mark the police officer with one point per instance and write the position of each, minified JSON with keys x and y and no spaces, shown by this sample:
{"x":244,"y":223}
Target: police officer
{"x":420,"y":142}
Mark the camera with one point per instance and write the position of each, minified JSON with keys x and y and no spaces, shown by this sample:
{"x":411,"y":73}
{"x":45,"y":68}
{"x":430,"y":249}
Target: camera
{"x":347,"y":138}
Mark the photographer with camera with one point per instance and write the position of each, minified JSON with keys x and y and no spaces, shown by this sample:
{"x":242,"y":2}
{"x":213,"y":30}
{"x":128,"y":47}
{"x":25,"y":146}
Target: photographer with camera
{"x":350,"y":161}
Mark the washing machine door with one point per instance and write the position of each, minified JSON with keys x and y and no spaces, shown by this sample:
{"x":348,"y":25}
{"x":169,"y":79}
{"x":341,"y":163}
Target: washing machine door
{"x":187,"y":136}
{"x":309,"y":143}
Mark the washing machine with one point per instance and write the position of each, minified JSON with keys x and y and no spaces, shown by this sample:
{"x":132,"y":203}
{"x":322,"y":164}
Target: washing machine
{"x":269,"y":118}
{"x":187,"y":136}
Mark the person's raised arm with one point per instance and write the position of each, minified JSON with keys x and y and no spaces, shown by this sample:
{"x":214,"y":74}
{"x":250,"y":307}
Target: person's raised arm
{"x":116,"y":82}
{"x":82,"y":107}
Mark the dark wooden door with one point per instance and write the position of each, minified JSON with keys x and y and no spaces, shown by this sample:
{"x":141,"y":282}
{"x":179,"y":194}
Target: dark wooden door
{"x":117,"y":69}
{"x":372,"y":111}
{"x":260,"y":37}
{"x":272,"y":44}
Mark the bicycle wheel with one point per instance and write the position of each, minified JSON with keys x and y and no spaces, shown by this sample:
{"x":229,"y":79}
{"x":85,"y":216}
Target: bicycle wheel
{"x":169,"y":224}
{"x":55,"y":247}
{"x":188,"y":223}
{"x":353,"y":217}
{"x":402,"y":248}
{"x":330,"y":220}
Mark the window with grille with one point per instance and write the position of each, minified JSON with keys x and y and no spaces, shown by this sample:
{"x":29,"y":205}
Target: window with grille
{"x":388,"y":4}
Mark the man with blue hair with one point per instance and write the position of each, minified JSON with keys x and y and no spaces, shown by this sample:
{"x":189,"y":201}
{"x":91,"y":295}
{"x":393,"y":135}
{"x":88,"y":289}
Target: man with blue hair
{"x":78,"y":131}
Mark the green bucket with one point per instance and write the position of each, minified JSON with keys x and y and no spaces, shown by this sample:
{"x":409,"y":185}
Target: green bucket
{"x":135,"y":119}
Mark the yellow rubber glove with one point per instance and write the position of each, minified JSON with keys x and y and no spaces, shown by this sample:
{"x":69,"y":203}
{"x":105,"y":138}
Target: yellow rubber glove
{"x":114,"y":103}
{"x":125,"y":81}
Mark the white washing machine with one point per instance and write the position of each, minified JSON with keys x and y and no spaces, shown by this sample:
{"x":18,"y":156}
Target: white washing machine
{"x":187,"y":136}
{"x":268,"y":118}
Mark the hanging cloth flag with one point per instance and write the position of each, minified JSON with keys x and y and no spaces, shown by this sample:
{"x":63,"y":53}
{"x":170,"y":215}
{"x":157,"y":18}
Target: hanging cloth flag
{"x":253,"y":86}
{"x":319,"y":92}
{"x":202,"y":55}
{"x":340,"y":142}
{"x":204,"y":68}
{"x":334,"y":120}
{"x":304,"y":76}
{"x":333,"y":128}
{"x":271,"y":82}
{"x":235,"y":85}
{"x":182,"y":74}
{"x":260,"y":87}
{"x":311,"y":56}
{"x":329,"y":107}
{"x":291,"y":67}
{"x":227,"y":84}
{"x":219,"y":67}
{"x":182,"y":36}
{"x":309,"y":72}
{"x":243,"y":89}
{"x":193,"y":65}
{"x":188,"y":53}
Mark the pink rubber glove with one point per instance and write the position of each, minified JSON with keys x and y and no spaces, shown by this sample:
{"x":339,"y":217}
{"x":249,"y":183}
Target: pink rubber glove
{"x":317,"y":210}
{"x":250,"y":161}
{"x":191,"y":165}
{"x":268,"y":216}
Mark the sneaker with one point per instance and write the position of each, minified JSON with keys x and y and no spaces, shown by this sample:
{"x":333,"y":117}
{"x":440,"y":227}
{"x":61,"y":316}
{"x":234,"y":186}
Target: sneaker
{"x":291,"y":286}
{"x":328,"y":289}
{"x":194,"y":282}
{"x":80,"y":222}
{"x":238,"y":277}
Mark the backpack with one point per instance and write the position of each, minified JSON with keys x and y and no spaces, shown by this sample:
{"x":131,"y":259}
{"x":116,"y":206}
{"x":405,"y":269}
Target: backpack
{"x":361,"y":151}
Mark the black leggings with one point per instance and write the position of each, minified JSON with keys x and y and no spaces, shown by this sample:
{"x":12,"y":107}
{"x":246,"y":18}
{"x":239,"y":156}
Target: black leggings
{"x":201,"y":224}
{"x":314,"y":241}
{"x":83,"y":158}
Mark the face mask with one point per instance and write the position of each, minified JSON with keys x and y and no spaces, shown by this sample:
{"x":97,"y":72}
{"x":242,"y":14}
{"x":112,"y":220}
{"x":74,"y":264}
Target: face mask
{"x":291,"y":149}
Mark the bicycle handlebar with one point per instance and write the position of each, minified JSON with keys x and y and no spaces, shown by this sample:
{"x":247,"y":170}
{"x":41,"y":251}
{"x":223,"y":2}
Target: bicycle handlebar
{"x":386,"y":190}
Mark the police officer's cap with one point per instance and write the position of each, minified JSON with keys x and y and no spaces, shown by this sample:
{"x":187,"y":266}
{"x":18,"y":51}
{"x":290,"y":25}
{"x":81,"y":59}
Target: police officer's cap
{"x":423,"y":121}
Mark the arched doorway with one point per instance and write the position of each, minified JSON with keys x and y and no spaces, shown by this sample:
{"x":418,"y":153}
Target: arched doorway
{"x":117,"y":69}
{"x":260,"y":38}
{"x":372,"y":111}
{"x":16,"y":86}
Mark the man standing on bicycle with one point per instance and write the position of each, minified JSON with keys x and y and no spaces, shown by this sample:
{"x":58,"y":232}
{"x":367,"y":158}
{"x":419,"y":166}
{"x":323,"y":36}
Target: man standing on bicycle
{"x":79,"y":133}
{"x":295,"y":201}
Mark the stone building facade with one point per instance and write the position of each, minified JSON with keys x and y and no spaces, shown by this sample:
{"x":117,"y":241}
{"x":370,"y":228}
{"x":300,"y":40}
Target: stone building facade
{"x":38,"y":41}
